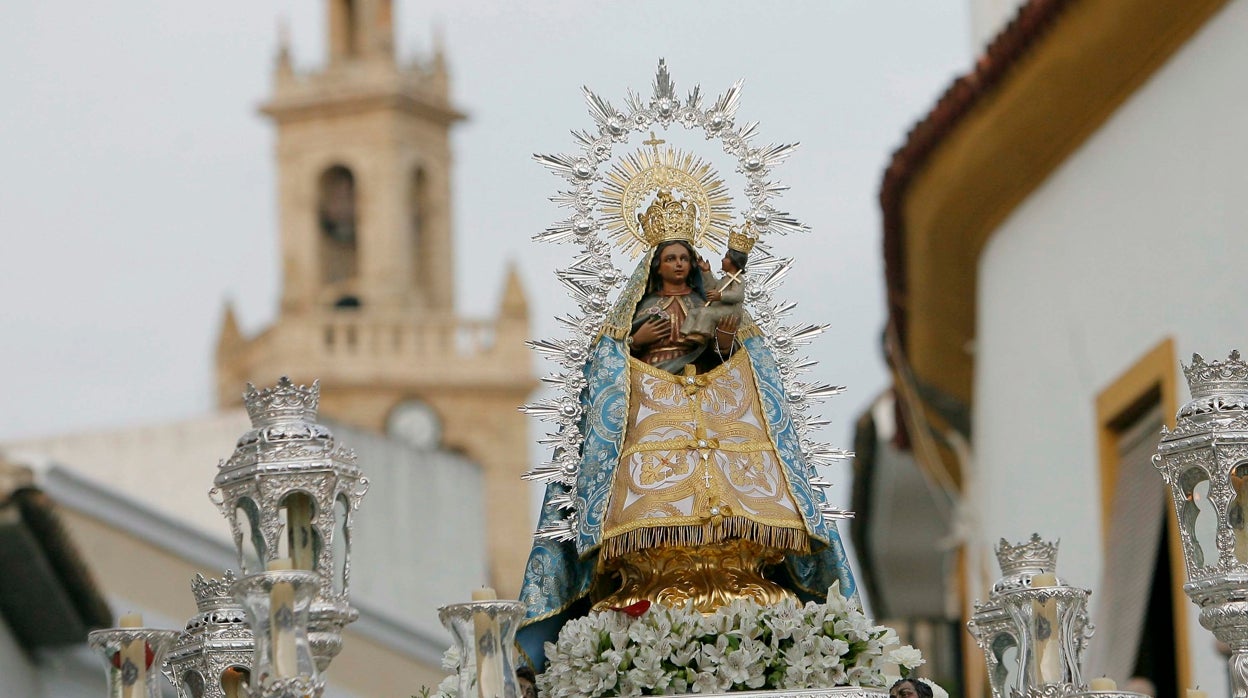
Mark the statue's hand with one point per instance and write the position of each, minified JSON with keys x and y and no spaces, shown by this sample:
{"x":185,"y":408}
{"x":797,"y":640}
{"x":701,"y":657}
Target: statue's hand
{"x":714,"y":295}
{"x":704,"y":265}
{"x":726,"y":332}
{"x":652,"y":331}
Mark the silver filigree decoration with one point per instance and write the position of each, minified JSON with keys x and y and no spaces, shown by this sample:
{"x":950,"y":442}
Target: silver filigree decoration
{"x":287,"y":452}
{"x":1209,"y":447}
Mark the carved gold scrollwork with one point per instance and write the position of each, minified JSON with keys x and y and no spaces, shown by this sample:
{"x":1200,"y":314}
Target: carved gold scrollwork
{"x":709,"y":576}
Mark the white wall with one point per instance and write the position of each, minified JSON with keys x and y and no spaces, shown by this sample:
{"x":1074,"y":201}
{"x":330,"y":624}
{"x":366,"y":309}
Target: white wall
{"x":20,"y":679}
{"x":1141,"y":234}
{"x":419,"y":539}
{"x":168,"y":466}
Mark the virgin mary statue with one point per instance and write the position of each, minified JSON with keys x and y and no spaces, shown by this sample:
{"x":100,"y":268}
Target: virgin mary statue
{"x":691,"y":486}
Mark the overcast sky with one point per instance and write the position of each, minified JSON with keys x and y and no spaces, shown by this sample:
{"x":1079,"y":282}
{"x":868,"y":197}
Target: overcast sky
{"x":137,"y":192}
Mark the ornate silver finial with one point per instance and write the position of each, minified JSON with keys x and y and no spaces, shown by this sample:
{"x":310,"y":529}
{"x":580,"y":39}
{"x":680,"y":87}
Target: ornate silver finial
{"x":216,"y":639}
{"x":1206,"y":378}
{"x":1033,"y":554}
{"x":283,"y":402}
{"x":209,"y":591}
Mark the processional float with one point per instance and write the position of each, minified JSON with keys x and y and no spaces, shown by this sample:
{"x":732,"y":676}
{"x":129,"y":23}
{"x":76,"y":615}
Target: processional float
{"x":685,"y":518}
{"x":684,"y":515}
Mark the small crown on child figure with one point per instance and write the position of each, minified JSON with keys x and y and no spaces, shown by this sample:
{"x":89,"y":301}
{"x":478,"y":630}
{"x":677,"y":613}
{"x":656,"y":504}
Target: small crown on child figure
{"x":741,"y":239}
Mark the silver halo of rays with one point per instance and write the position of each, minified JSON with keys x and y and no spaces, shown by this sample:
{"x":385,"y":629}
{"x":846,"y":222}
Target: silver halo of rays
{"x":592,"y":275}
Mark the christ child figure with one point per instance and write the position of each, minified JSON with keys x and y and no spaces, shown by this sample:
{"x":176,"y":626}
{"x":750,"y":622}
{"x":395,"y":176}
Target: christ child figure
{"x":724,"y":295}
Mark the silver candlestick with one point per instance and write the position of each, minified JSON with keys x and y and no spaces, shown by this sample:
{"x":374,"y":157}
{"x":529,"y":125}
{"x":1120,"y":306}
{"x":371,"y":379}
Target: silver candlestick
{"x":1204,"y":461}
{"x":288,"y":477}
{"x":213,"y":656}
{"x":1034,"y":613}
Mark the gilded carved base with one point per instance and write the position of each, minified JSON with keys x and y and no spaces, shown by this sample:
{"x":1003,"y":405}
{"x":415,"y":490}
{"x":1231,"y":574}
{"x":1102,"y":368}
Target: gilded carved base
{"x":710,"y":576}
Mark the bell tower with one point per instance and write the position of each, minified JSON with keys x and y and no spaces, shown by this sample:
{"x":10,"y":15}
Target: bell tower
{"x":367,"y":300}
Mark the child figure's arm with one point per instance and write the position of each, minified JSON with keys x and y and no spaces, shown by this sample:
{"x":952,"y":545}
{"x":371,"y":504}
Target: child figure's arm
{"x":733,"y":290}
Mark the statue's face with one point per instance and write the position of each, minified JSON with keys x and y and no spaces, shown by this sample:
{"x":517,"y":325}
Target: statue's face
{"x":904,"y":689}
{"x":674,"y":264}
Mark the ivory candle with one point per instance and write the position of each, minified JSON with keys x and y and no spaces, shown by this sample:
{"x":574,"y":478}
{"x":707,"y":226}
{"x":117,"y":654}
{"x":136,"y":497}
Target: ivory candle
{"x":1048,"y":660}
{"x":1103,"y":684}
{"x":232,"y":681}
{"x":133,"y":660}
{"x":299,"y":532}
{"x":1197,"y":693}
{"x":1048,"y":579}
{"x":489,"y":661}
{"x":282,"y":623}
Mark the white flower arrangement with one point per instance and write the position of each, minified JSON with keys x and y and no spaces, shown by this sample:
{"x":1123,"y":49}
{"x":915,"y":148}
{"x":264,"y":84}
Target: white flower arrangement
{"x":449,"y":687}
{"x":740,"y":647}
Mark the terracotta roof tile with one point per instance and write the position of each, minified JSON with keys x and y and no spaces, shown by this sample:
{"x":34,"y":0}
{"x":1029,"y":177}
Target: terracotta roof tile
{"x":1029,"y":24}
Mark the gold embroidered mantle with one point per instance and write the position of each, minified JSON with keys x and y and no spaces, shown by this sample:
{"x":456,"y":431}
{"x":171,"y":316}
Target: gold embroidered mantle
{"x":698,"y":466}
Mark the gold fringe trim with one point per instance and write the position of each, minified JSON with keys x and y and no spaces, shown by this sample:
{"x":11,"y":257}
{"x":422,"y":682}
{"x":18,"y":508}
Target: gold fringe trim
{"x":748,"y":329}
{"x":615,"y":332}
{"x":730,"y":528}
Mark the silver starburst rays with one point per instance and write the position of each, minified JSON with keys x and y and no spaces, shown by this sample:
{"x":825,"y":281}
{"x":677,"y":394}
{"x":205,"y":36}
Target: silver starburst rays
{"x":592,"y":277}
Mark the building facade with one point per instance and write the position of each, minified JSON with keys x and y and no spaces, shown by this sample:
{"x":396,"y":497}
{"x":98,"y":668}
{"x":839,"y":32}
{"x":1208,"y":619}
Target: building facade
{"x":367,"y":301}
{"x":1060,"y":230}
{"x":427,"y":399}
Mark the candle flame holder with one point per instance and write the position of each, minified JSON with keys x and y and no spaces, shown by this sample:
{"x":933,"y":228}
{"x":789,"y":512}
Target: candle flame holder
{"x":1204,"y":461}
{"x":485,"y":636}
{"x":277,"y":605}
{"x":133,"y":679}
{"x":1051,"y":643}
{"x":1008,"y":621}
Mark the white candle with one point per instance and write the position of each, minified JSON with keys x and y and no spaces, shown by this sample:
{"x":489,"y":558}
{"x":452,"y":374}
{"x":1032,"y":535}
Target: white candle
{"x":133,"y":660}
{"x":282,"y":623}
{"x":299,"y":531}
{"x":484,"y":594}
{"x":489,"y":660}
{"x":1103,"y":684}
{"x":232,"y":681}
{"x":1048,"y":660}
{"x":1048,"y":579}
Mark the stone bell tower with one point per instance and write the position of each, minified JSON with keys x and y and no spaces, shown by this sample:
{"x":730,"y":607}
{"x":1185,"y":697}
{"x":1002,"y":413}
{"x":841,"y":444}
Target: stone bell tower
{"x":367,"y":301}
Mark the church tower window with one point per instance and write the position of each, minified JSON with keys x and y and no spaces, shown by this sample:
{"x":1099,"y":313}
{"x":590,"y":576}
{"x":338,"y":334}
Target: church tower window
{"x":336,"y":212}
{"x":344,"y":30}
{"x":418,"y":211}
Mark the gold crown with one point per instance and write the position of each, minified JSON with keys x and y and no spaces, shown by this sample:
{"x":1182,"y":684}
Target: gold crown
{"x":668,"y":219}
{"x":741,"y":240}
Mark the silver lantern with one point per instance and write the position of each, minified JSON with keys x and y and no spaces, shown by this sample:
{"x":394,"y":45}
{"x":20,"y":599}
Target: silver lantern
{"x":212,"y":658}
{"x":1033,"y":637}
{"x":1204,"y":460}
{"x":290,"y":489}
